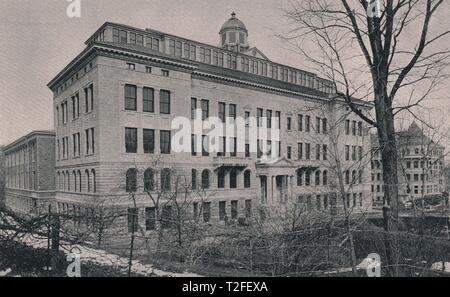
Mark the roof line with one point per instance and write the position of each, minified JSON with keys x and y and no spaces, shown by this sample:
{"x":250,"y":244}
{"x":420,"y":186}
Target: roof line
{"x":27,"y":136}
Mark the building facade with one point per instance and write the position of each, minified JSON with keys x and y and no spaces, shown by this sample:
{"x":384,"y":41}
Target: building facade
{"x":116,"y":102}
{"x":421,"y":171}
{"x":29,"y":166}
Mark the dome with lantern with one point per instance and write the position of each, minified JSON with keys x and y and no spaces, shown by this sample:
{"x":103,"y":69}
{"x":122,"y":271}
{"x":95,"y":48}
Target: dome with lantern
{"x":234,"y":34}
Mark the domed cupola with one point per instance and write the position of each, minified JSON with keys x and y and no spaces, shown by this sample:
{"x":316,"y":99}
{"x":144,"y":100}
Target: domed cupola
{"x":234,"y":35}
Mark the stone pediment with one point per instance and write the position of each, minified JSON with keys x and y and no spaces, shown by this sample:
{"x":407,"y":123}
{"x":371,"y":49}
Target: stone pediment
{"x":282,"y":162}
{"x":254,"y":52}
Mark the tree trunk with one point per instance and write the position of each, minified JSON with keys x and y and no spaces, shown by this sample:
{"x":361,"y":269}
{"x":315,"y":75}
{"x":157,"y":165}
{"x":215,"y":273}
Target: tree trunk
{"x":388,"y":146}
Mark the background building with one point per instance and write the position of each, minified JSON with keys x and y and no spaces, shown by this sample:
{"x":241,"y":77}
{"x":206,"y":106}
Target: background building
{"x":115,"y":102}
{"x":29,"y":166}
{"x":421,"y":166}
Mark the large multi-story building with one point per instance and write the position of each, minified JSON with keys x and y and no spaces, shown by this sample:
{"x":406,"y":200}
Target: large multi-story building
{"x":29,"y":167}
{"x":116,"y":102}
{"x":421,"y":166}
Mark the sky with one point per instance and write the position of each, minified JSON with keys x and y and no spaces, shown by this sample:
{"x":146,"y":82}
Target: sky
{"x":38,"y":39}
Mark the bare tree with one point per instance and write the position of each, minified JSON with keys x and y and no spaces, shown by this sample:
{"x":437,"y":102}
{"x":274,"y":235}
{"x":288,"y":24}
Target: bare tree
{"x":362,"y":47}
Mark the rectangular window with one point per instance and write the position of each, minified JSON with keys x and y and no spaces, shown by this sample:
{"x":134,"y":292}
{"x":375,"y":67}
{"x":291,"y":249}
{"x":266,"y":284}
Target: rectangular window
{"x":148,"y":69}
{"x":165,"y":73}
{"x":354,"y":128}
{"x":165,"y":142}
{"x":221,"y":59}
{"x":164,"y":102}
{"x":289,"y":152}
{"x":300,"y":151}
{"x":318,"y":149}
{"x":300,"y":122}
{"x":150,"y":218}
{"x":222,"y":147}
{"x":131,"y":140}
{"x":149,"y":141}
{"x":193,"y":52}
{"x":307,"y":123}
{"x":193,"y":108}
{"x":202,"y":54}
{"x":115,"y":35}
{"x":259,"y":116}
{"x":318,"y":123}
{"x":208,"y":56}
{"x":178,"y":48}
{"x":248,"y":208}
{"x":233,"y":146}
{"x":222,"y":210}
{"x":222,"y":112}
{"x":215,"y":59}
{"x":130,"y":97}
{"x":206,"y":211}
{"x":360,"y":128}
{"x":324,"y":126}
{"x":132,"y":37}
{"x":140,"y":40}
{"x":193,"y":145}
{"x":247,"y":150}
{"x":232,"y":111}
{"x":148,"y":99}
{"x":347,"y":127}
{"x":205,"y":109}
{"x":308,"y":151}
{"x":277,"y":119}
{"x":133,"y":220}
{"x":234,"y":209}
{"x":205,"y":146}
{"x":347,"y":153}
{"x":172,"y":47}
{"x":289,"y":123}
{"x":269,"y":118}
{"x":123,"y":36}
{"x":325,"y":152}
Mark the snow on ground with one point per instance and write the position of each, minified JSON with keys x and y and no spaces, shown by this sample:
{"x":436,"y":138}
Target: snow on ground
{"x":101,"y":257}
{"x":438,"y":266}
{"x":5,"y":273}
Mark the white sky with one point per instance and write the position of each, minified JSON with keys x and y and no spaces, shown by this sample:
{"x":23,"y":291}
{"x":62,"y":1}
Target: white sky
{"x":38,"y":40}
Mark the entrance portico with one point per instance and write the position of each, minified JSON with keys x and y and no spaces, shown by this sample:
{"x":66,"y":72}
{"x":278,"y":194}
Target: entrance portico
{"x":275,"y":181}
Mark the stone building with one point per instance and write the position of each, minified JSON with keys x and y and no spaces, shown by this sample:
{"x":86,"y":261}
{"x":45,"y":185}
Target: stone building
{"x":29,"y":166}
{"x":116,"y":102}
{"x":421,"y":166}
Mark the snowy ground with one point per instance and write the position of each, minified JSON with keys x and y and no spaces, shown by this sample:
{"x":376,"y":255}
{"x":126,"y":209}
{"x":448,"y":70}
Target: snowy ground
{"x":102,"y":258}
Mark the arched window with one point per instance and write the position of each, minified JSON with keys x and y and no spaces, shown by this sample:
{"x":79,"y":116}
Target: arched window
{"x":317,"y":177}
{"x":149,"y":180}
{"x":165,"y":179}
{"x":299,"y":177}
{"x":88,"y":181}
{"x":194,"y":179}
{"x":80,"y":187}
{"x":75,"y":185}
{"x":205,"y":179}
{"x":233,"y":179}
{"x":325,"y":178}
{"x":131,"y":182}
{"x":247,"y":179}
{"x":94,"y":181}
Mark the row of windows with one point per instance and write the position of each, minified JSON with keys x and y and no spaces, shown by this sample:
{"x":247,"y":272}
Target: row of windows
{"x":131,"y":141}
{"x":417,"y":151}
{"x":148,"y":99}
{"x":149,"y":179}
{"x":62,"y":115}
{"x":76,"y":181}
{"x":74,"y":78}
{"x":62,"y":146}
{"x":356,"y":128}
{"x":123,"y":36}
{"x":356,"y":153}
{"x":167,"y":216}
{"x":323,"y":202}
{"x":218,"y":58}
